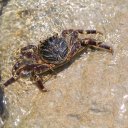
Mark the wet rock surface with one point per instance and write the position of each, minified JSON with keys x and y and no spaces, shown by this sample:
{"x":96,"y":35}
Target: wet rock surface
{"x":92,"y":92}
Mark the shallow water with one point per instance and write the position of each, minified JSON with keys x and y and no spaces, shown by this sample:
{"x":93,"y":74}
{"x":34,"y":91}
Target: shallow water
{"x":93,"y":91}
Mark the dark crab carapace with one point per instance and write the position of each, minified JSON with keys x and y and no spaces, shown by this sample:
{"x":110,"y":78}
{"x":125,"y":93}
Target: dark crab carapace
{"x":54,"y":50}
{"x":52,"y":53}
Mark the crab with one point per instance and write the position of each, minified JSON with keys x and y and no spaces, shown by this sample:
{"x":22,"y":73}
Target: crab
{"x":52,"y":53}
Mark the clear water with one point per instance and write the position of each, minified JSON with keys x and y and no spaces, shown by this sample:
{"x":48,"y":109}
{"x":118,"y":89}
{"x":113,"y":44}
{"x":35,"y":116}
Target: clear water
{"x":93,"y":91}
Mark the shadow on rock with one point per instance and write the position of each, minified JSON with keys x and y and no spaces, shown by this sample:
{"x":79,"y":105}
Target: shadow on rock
{"x":3,"y":3}
{"x":3,"y":108}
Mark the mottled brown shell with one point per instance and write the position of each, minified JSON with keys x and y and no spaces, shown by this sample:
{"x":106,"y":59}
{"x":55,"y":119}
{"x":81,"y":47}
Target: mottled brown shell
{"x":54,"y":50}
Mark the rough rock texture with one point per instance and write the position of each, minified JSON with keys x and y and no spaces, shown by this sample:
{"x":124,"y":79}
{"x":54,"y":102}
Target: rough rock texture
{"x":92,"y":92}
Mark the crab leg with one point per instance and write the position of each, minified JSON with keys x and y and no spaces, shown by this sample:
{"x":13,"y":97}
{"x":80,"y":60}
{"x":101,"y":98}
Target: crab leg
{"x":106,"y":47}
{"x":36,"y":68}
{"x":89,"y":31}
{"x":66,"y":32}
{"x":39,"y":82}
{"x":30,"y":55}
{"x":33,"y":47}
{"x":10,"y":81}
{"x":26,"y":51}
{"x":75,"y":32}
{"x":16,"y":67}
{"x":40,"y":85}
{"x":36,"y":75}
{"x":95,"y":44}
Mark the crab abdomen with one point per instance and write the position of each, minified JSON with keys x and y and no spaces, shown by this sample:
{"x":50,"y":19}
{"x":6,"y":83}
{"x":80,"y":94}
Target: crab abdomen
{"x":54,"y":50}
